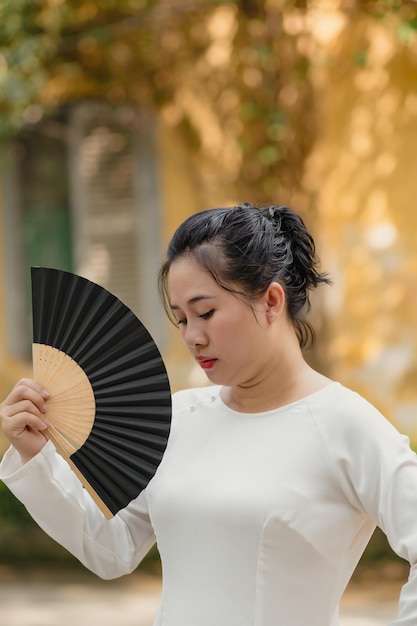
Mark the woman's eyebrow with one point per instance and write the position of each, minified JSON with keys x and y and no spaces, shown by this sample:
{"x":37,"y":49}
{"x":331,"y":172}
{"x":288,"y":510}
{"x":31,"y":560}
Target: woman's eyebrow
{"x":194,"y":300}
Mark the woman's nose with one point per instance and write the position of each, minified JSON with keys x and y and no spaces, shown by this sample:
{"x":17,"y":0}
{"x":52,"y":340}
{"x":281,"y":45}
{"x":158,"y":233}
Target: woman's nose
{"x":194,"y":336}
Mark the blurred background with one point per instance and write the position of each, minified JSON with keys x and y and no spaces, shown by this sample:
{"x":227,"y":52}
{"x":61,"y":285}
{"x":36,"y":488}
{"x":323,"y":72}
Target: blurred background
{"x":119,"y":118}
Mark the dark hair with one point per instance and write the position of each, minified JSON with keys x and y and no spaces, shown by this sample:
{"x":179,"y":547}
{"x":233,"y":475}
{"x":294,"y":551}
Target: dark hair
{"x":247,"y":247}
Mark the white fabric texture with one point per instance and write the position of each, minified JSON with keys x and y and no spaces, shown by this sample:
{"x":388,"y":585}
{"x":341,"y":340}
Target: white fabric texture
{"x":260,"y":518}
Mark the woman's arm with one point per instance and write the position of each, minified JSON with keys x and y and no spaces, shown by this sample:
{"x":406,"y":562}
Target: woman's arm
{"x":60,"y":505}
{"x":41,"y":479}
{"x":378,"y":473}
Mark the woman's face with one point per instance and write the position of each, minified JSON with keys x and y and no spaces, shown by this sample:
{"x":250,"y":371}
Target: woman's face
{"x":225,"y":334}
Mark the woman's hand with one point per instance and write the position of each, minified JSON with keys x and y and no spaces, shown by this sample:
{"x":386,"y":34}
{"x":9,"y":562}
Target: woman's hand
{"x":23,"y":418}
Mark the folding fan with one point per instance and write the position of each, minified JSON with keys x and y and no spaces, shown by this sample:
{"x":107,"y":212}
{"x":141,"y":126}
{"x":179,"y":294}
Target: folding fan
{"x":110,"y":401}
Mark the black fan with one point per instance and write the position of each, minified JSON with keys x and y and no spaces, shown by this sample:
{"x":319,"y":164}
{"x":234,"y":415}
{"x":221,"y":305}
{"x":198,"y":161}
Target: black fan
{"x":110,"y":403}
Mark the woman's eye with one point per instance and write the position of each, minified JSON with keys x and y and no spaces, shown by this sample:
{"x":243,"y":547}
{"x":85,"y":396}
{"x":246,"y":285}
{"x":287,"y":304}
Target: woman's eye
{"x":206,"y":316}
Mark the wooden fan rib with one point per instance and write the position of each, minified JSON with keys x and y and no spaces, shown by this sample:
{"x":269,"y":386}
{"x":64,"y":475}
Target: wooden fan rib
{"x":45,"y":362}
{"x":62,"y":444}
{"x":54,"y":364}
{"x":77,"y":436}
{"x":76,"y":415}
{"x":75,"y":430}
{"x":72,"y":420}
{"x":76,"y":397}
{"x":100,"y":501}
{"x":64,"y":372}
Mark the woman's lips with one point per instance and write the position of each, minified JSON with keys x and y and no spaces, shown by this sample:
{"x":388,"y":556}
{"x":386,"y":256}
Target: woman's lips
{"x":205,"y":363}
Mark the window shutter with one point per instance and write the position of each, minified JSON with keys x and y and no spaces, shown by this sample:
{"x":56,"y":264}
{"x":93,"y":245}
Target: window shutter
{"x":116,"y":217}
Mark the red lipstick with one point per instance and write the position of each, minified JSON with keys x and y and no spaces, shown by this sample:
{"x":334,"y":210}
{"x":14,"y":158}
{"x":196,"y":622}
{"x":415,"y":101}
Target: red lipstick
{"x":205,"y":363}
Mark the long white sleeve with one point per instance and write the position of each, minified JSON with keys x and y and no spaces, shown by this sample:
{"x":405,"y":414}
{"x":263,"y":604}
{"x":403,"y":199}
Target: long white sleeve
{"x":377,"y":471}
{"x":56,"y":500}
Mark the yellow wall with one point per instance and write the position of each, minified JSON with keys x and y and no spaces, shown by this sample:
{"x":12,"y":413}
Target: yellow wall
{"x":11,"y":369}
{"x":181,"y":198}
{"x":363,"y":173}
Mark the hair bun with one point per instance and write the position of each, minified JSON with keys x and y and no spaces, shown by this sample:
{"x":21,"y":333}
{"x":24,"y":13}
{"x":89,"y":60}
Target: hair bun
{"x":277,"y":212}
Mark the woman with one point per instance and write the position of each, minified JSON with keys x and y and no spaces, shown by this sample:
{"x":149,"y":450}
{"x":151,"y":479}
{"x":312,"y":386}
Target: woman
{"x":274,"y":477}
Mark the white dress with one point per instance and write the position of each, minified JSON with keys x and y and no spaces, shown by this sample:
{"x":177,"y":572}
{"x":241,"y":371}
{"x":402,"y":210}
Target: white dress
{"x":260,"y":518}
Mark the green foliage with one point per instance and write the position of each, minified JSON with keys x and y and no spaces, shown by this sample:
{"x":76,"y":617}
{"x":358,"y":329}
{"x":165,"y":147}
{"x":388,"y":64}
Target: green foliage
{"x":362,"y":58}
{"x":407,"y":31}
{"x":245,"y":67}
{"x":22,"y":541}
{"x":13,"y":515}
{"x":379,"y":551}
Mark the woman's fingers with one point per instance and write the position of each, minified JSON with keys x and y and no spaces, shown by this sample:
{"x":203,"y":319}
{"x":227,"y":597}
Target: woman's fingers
{"x":27,"y":389}
{"x":20,"y":414}
{"x":23,"y":417}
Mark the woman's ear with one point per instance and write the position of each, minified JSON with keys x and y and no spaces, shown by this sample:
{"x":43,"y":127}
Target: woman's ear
{"x":275,"y":301}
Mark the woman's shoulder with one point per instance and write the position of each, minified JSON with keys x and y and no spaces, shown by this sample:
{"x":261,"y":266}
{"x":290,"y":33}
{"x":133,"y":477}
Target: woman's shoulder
{"x":343,"y":413}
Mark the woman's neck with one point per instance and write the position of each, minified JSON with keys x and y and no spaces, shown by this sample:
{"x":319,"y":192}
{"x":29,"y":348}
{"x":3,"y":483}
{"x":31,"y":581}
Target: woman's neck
{"x":279,"y":387}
